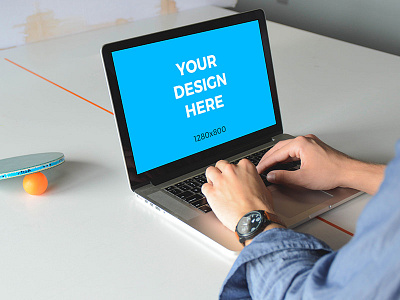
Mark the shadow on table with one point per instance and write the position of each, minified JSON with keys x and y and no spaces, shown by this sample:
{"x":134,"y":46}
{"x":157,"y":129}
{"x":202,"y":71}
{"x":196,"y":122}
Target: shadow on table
{"x":75,"y":175}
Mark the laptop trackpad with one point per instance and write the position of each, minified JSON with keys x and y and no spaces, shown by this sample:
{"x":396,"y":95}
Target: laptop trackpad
{"x":289,"y":202}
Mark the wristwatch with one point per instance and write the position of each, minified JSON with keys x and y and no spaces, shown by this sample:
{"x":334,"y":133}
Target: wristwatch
{"x":254,"y":223}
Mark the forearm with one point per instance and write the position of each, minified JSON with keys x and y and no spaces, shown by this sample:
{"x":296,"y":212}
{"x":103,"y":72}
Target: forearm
{"x":366,"y":177}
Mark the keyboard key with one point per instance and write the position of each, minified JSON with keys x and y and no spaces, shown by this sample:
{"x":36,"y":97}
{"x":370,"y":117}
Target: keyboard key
{"x":199,"y":203}
{"x":185,"y":195}
{"x":258,"y":157}
{"x":194,"y":198}
{"x":193,"y":184}
{"x":190,"y":180}
{"x":264,"y":179}
{"x":185,"y":187}
{"x":201,"y":180}
{"x":284,"y":166}
{"x":201,"y":176}
{"x":173,"y":190}
{"x":205,"y":208}
{"x":254,"y":161}
{"x":196,"y":190}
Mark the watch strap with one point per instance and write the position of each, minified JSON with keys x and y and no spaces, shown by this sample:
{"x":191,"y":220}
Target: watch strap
{"x":273,"y":218}
{"x":269,"y":219}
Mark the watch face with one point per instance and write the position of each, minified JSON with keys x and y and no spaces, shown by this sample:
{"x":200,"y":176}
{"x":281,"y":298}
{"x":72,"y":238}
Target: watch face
{"x":249,"y":223}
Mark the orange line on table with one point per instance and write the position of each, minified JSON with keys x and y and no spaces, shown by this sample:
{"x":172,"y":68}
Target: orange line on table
{"x":336,"y":226}
{"x":57,"y":85}
{"x":319,"y":218}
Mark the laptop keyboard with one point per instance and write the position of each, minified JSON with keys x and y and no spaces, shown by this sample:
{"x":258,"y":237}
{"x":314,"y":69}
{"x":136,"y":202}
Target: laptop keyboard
{"x":189,"y":190}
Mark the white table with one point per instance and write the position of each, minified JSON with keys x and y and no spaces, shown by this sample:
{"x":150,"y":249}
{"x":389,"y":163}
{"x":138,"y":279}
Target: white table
{"x":88,"y":237}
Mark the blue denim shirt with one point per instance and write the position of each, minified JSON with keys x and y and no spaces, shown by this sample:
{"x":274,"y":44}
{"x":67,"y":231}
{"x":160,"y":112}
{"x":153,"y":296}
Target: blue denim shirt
{"x":283,"y":264}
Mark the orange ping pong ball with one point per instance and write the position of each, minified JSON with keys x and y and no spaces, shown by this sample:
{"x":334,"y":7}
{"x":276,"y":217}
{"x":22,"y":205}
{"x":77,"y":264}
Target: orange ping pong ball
{"x":35,"y":184}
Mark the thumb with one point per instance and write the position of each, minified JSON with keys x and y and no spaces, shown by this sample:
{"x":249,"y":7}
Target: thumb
{"x":285,"y":177}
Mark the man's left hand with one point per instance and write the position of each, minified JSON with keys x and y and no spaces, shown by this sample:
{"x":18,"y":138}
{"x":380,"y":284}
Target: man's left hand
{"x":234,"y":190}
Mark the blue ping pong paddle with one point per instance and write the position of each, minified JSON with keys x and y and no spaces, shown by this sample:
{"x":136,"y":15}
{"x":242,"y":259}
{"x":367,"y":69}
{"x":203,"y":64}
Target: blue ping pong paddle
{"x":29,"y":164}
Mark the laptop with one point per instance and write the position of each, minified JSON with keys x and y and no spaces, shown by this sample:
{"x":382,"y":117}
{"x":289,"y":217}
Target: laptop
{"x":187,"y":97}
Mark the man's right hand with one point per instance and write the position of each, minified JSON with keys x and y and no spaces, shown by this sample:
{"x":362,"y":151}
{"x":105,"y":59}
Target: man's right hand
{"x":322,"y":167}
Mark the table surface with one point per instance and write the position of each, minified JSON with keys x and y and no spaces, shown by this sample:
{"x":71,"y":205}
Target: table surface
{"x":88,"y":237}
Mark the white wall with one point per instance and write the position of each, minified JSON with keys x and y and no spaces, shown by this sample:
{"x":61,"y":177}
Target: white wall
{"x":25,"y":21}
{"x":371,"y":23}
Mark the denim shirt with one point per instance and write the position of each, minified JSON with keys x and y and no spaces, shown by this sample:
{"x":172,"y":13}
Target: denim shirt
{"x":283,"y":264}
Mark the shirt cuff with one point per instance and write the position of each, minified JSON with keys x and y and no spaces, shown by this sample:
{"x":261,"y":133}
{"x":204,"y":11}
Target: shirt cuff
{"x":272,"y":244}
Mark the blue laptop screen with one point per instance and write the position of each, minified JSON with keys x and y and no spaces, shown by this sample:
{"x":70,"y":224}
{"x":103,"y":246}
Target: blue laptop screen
{"x":188,"y":94}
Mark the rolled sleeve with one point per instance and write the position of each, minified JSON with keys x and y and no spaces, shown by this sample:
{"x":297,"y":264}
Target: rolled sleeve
{"x":273,"y":266}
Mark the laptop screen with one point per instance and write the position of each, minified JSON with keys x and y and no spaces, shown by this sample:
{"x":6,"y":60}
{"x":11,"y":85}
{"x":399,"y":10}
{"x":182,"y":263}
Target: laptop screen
{"x":187,"y":94}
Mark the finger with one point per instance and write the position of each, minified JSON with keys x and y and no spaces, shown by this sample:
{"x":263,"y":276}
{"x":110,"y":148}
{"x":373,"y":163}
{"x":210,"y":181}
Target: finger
{"x":271,"y":151}
{"x":287,"y":152}
{"x":283,"y":143}
{"x":245,"y":163}
{"x":286,"y":177}
{"x":212,"y":173}
{"x":221,"y":165}
{"x":277,"y":146}
{"x":289,"y":159}
{"x":206,"y":188}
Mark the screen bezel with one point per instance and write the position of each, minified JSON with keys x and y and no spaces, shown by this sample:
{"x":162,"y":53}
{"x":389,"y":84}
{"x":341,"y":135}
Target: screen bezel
{"x":211,"y":155}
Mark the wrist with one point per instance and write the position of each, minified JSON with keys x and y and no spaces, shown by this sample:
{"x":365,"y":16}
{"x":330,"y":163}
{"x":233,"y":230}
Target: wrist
{"x":363,"y":176}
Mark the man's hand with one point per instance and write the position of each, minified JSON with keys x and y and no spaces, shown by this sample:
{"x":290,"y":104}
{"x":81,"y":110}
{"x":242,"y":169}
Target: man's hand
{"x":234,"y":190}
{"x":322,"y":167}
